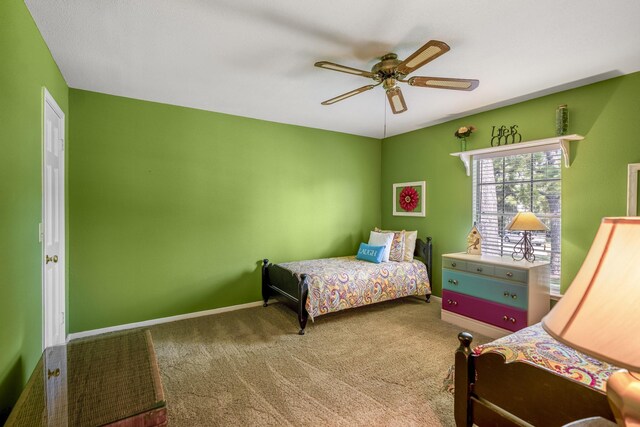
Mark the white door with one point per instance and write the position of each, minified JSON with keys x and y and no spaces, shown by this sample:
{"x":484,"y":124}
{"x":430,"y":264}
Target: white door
{"x":53,"y":263}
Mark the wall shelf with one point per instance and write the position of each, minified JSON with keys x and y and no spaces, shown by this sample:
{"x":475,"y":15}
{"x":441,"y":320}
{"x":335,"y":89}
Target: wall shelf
{"x":557,"y":142}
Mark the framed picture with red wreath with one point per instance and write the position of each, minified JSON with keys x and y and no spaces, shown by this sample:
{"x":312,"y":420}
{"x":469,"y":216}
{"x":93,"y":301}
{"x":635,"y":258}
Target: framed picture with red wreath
{"x":409,"y":199}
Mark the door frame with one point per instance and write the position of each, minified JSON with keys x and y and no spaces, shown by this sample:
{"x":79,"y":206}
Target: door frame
{"x":47,"y":99}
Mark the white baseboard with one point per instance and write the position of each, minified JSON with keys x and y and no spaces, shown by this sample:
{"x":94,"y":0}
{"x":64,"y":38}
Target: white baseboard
{"x":146,"y":323}
{"x":151,"y":322}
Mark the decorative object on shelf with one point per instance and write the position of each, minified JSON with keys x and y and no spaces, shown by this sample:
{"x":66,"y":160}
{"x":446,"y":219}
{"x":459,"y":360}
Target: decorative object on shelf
{"x":409,"y":199}
{"x":525,"y":222}
{"x":632,"y":189}
{"x":505,"y":135}
{"x":562,"y":120}
{"x":598,"y":314}
{"x":474,"y":241}
{"x":462,"y":134}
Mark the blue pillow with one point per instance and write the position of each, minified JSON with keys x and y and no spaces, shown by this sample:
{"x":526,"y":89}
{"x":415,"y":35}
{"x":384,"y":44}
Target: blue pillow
{"x":370,"y":253}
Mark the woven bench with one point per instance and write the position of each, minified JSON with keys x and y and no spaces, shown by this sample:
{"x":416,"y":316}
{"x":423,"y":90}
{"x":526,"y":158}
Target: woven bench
{"x":112,"y":380}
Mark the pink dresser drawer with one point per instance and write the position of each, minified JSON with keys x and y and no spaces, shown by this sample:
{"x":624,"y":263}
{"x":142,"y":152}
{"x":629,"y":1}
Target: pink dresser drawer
{"x":495,"y":314}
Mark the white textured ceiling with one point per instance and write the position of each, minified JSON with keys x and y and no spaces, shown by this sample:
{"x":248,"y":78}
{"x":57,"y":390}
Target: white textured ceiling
{"x":254,"y":58}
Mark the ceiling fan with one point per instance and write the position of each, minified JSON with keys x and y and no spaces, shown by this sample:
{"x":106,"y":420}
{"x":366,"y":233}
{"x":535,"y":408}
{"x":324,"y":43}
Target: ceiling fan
{"x":390,"y":70}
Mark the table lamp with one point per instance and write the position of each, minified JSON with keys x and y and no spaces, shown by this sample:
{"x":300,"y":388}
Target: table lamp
{"x":600,"y":313}
{"x":526,"y":222}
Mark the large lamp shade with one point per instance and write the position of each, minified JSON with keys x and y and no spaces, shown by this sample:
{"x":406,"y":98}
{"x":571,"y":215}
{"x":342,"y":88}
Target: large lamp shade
{"x":600,"y":312}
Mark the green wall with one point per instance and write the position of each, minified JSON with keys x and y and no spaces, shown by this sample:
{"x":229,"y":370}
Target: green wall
{"x":172,"y":208}
{"x":606,"y":113}
{"x":26,"y":66}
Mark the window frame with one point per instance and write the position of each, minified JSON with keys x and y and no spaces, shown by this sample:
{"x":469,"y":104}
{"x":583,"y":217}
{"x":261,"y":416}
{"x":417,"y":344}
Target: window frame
{"x":555,"y":285}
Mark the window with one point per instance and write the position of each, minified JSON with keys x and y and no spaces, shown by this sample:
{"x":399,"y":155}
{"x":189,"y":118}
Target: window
{"x":503,"y":186}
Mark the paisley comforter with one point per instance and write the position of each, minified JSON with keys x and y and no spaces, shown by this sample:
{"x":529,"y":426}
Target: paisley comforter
{"x":339,"y":283}
{"x":533,"y":345}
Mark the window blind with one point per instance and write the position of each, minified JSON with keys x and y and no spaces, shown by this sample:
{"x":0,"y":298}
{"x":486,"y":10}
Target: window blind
{"x":504,"y":186}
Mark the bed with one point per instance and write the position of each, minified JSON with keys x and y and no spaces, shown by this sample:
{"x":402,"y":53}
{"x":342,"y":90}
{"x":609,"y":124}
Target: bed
{"x":318,"y":287}
{"x":527,"y":378}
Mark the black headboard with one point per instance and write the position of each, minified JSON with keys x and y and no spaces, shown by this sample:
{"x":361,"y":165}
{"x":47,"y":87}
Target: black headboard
{"x":425,"y":251}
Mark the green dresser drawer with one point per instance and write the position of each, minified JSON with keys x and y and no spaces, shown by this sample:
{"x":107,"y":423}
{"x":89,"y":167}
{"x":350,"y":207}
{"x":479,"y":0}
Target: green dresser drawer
{"x":488,"y":288}
{"x":454,"y":264}
{"x":511,"y":274}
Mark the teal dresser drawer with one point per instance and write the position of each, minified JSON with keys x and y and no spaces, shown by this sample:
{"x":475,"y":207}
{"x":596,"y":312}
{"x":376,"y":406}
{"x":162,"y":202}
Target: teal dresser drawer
{"x":487,"y":288}
{"x":454,"y":264}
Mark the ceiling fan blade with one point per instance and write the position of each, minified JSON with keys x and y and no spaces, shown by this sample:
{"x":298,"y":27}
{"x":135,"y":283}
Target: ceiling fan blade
{"x":396,"y":100}
{"x":343,"y":69}
{"x":444,"y":83}
{"x":348,"y":94}
{"x":430,"y":51}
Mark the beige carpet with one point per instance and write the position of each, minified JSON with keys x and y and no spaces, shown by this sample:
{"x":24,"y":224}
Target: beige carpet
{"x":384,"y":364}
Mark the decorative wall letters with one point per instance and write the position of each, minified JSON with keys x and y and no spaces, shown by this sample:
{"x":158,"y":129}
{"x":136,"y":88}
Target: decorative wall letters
{"x":505,"y":135}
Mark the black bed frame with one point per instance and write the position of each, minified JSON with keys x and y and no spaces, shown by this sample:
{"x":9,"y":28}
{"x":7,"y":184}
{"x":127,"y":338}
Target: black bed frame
{"x":279,"y":280}
{"x":491,"y":392}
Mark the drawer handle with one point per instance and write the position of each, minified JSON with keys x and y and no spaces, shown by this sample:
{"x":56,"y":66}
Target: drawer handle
{"x":455,"y":303}
{"x":449,"y":302}
{"x":514,"y":296}
{"x":454,"y":281}
{"x":453,"y":264}
{"x":508,"y":319}
{"x":506,"y":294}
{"x":509,"y":274}
{"x":478,"y":269}
{"x":51,"y":373}
{"x":452,"y":302}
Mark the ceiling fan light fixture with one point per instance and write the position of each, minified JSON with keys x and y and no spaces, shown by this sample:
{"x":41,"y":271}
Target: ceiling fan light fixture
{"x":389,"y":83}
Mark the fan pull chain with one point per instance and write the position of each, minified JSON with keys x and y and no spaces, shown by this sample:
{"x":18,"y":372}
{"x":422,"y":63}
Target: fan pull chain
{"x":384,"y":132}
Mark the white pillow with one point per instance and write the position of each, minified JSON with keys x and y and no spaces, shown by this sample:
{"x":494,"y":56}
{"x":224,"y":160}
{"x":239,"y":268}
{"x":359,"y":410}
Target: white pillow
{"x":382,"y":239}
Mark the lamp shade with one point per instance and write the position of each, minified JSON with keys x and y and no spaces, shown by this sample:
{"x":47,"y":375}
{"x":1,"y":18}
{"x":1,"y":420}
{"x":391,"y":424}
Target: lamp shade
{"x":600,"y":313}
{"x":526,"y":221}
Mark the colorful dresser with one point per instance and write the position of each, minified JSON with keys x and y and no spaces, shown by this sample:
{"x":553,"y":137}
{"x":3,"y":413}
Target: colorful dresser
{"x":493,"y":295}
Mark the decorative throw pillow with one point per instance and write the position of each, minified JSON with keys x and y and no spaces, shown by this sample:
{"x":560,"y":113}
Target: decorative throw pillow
{"x":410,"y":238}
{"x":382,"y":239}
{"x":370,"y":253}
{"x":397,"y":247}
